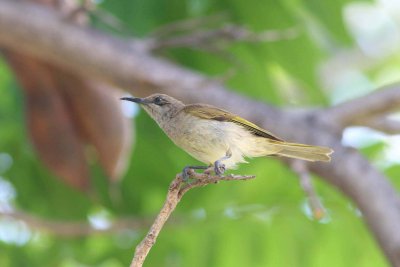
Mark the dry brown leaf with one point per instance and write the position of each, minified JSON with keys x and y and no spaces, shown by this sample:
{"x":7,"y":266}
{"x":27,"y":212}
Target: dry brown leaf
{"x":49,"y":122}
{"x":65,"y":111}
{"x":97,"y":112}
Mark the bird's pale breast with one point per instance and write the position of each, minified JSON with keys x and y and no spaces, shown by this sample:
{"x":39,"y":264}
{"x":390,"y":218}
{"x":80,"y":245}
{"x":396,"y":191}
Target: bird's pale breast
{"x":209,"y":140}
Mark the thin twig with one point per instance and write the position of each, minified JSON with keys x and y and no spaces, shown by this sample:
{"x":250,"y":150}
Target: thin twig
{"x":175,"y":193}
{"x":187,"y":25}
{"x":74,"y":228}
{"x":76,"y":13}
{"x":105,"y":17}
{"x":110,"y":20}
{"x":216,"y":41}
{"x":316,"y":206}
{"x":212,"y":38}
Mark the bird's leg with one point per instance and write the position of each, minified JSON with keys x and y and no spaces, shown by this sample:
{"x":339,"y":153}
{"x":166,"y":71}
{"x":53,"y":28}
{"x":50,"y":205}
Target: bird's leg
{"x":185,"y":171}
{"x":219,"y":167}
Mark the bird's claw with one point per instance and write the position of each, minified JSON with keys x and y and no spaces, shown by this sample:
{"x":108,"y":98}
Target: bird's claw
{"x":186,"y":174}
{"x":219,"y":168}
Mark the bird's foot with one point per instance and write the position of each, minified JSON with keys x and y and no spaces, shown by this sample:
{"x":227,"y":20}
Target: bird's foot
{"x":219,"y":168}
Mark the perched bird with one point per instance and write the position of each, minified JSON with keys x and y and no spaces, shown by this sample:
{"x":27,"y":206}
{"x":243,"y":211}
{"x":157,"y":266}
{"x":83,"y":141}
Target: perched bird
{"x":218,"y":137}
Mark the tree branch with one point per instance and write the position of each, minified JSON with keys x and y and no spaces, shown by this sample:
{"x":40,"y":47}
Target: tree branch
{"x":128,"y":64}
{"x":379,"y":103}
{"x":385,"y":125}
{"x":175,"y":193}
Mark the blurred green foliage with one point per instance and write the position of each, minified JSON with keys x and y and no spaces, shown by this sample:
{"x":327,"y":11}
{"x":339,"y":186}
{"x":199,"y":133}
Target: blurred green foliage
{"x":263,"y":222}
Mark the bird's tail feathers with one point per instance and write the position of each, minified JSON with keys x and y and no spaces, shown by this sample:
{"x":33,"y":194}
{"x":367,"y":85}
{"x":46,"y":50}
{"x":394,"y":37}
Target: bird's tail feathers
{"x":305,"y":152}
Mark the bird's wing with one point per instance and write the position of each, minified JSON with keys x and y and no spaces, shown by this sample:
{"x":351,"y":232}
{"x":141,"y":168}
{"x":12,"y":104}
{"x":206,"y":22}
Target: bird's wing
{"x":213,"y":113}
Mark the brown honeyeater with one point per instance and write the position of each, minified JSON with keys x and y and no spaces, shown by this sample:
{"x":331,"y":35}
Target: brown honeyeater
{"x":219,"y":138}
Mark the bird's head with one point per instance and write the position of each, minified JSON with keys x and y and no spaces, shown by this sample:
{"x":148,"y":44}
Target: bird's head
{"x":160,"y":107}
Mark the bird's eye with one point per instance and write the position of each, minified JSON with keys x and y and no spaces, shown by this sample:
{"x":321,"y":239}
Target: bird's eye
{"x":159,"y":101}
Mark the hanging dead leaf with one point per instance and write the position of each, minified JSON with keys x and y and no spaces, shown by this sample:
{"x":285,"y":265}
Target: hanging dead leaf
{"x":97,"y":112}
{"x":65,"y":111}
{"x":49,"y":122}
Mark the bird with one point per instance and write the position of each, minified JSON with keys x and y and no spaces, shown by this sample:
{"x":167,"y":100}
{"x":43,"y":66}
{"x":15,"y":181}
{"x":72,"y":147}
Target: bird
{"x":219,"y":138}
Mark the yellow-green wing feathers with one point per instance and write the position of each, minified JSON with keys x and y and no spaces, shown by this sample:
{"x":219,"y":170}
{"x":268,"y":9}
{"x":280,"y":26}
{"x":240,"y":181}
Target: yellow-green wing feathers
{"x":291,"y":150}
{"x":213,"y":113}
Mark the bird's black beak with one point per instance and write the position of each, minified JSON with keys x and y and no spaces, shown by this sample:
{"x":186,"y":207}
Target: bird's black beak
{"x":136,"y":100}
